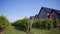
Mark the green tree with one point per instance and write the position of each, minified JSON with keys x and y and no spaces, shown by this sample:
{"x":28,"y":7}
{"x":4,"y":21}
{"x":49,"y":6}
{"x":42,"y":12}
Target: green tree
{"x":3,"y":21}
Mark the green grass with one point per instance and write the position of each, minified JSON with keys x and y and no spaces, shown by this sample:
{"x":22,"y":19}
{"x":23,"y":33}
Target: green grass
{"x":40,"y":31}
{"x":12,"y":30}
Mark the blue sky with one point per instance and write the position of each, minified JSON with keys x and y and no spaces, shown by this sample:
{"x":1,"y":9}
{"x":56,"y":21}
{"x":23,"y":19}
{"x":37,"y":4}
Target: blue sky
{"x":17,"y":9}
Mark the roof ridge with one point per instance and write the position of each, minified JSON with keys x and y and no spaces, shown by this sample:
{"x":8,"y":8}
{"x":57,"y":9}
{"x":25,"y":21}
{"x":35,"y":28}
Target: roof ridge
{"x":51,"y":8}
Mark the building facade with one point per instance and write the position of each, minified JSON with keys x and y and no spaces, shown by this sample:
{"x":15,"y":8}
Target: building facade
{"x":44,"y":13}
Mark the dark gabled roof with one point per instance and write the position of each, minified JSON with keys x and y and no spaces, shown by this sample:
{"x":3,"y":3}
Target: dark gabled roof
{"x":49,"y":10}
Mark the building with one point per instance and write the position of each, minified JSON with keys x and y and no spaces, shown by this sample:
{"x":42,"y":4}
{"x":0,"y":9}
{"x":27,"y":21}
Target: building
{"x":52,"y":14}
{"x":44,"y":13}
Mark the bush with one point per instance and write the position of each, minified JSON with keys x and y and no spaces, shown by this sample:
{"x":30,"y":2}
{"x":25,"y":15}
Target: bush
{"x":55,"y":22}
{"x":36,"y":24}
{"x":45,"y":24}
{"x":3,"y":21}
{"x":23,"y":24}
{"x":49,"y":24}
{"x":17,"y":23}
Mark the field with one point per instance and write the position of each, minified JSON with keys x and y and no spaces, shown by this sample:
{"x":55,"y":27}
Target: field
{"x":12,"y":30}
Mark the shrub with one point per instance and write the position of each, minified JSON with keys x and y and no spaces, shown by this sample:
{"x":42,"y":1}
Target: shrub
{"x":3,"y":21}
{"x":48,"y":24}
{"x":23,"y":24}
{"x":45,"y":24}
{"x":36,"y":24}
{"x":17,"y":23}
{"x":55,"y":22}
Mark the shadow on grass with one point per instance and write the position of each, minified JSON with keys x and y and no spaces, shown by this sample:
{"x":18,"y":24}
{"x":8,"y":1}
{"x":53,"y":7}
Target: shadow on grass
{"x":21,"y":29}
{"x":18,"y":28}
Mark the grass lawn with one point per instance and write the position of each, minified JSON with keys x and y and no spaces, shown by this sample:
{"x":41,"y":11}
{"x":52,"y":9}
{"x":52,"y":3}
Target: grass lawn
{"x":12,"y":30}
{"x":39,"y":31}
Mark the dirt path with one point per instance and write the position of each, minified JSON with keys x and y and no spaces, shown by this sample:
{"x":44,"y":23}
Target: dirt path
{"x":3,"y":31}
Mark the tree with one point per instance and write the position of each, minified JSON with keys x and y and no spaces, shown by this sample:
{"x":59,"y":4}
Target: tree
{"x":3,"y":21}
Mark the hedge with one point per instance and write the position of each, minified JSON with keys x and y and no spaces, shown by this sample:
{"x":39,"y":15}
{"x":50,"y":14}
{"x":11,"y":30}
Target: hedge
{"x":23,"y":24}
{"x":45,"y":24}
{"x":3,"y":22}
